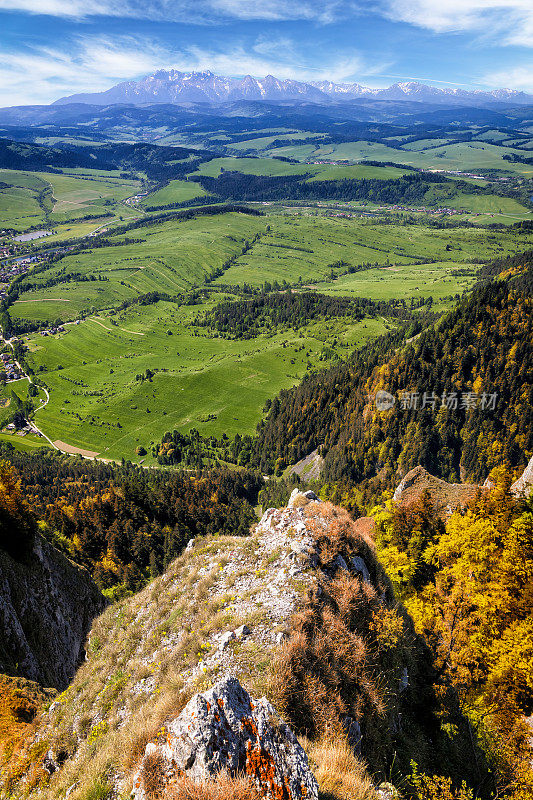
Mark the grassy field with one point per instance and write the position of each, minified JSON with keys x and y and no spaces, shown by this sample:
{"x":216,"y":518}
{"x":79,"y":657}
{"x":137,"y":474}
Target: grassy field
{"x":29,"y":443}
{"x":467,"y":156}
{"x":171,"y":257}
{"x":307,"y":247}
{"x":423,"y":280}
{"x":317,"y":172}
{"x":174,"y":192}
{"x":97,"y":403}
{"x":175,"y":256}
{"x":70,"y":196}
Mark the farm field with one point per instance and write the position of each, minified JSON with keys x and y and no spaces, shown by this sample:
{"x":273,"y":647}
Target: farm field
{"x":174,"y":192}
{"x":35,"y":198}
{"x":98,"y":404}
{"x":175,"y":256}
{"x":435,"y":280}
{"x":307,"y":247}
{"x":29,"y":443}
{"x":169,"y":257}
{"x":467,"y":156}
{"x":103,"y":401}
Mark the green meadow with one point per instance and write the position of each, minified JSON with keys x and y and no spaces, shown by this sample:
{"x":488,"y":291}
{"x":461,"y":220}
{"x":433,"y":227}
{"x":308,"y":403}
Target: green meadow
{"x":436,"y":279}
{"x":467,"y":156}
{"x":35,"y":198}
{"x":174,"y":192}
{"x":175,"y":256}
{"x":98,"y":401}
{"x":170,"y":257}
{"x":200,"y":381}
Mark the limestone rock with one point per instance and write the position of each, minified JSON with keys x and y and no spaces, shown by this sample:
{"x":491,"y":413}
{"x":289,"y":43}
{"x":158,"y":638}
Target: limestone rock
{"x":302,"y":498}
{"x":522,"y":487}
{"x":224,"y":729}
{"x":446,"y":497}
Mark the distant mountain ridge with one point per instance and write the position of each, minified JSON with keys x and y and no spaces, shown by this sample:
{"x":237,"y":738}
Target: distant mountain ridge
{"x":181,"y":88}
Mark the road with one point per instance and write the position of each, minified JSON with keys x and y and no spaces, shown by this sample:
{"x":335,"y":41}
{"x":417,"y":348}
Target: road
{"x":31,"y":423}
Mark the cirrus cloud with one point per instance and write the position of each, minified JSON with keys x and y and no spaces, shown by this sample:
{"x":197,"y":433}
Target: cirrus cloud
{"x":191,"y":11}
{"x":95,"y":63}
{"x":510,"y":22}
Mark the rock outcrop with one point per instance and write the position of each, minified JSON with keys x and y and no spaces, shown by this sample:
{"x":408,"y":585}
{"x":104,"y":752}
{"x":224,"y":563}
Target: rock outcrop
{"x":300,"y":610}
{"x":445,"y":497}
{"x":523,"y":486}
{"x":47,"y":605}
{"x":223,"y":729}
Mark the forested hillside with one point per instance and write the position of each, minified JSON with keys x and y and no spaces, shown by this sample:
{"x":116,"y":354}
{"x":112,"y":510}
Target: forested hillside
{"x":125,"y":524}
{"x":462,"y":392}
{"x":467,"y":586}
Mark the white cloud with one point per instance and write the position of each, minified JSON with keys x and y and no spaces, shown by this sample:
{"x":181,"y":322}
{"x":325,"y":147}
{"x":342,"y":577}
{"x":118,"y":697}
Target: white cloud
{"x":518,"y":78}
{"x":95,"y":63}
{"x":507,"y":21}
{"x":194,"y":11}
{"x":42,"y":75}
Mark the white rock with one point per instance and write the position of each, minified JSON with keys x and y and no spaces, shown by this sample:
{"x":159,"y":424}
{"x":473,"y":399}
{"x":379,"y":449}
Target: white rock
{"x":224,"y":729}
{"x":225,"y":639}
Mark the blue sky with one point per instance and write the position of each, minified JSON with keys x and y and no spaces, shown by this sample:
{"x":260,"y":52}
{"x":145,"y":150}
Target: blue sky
{"x":49,"y":48}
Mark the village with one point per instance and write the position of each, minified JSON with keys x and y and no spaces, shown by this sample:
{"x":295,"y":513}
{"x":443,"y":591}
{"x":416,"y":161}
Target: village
{"x":9,"y":370}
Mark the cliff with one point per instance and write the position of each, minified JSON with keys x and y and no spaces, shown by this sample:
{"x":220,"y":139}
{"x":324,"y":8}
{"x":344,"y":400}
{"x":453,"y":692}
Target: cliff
{"x":47,"y":605}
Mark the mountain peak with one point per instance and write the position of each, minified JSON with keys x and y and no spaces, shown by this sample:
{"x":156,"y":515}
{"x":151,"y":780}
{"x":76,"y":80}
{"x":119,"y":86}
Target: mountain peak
{"x":178,"y":87}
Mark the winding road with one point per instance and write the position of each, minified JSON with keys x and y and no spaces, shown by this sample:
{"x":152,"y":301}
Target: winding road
{"x":44,"y":403}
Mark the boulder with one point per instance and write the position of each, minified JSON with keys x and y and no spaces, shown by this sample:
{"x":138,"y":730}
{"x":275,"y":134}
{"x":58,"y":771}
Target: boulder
{"x":224,"y":729}
{"x":299,"y":498}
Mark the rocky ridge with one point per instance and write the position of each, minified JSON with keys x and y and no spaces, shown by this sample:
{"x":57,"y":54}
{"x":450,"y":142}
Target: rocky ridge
{"x":300,"y":612}
{"x":223,"y":608}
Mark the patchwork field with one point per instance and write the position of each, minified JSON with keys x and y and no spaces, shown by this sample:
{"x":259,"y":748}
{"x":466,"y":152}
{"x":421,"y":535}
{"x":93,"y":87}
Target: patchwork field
{"x":34,"y":198}
{"x":174,"y":192}
{"x":200,"y":381}
{"x":129,"y":368}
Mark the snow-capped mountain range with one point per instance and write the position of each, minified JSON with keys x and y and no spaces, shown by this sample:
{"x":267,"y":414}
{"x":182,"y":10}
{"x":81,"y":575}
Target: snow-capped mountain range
{"x":182,"y":88}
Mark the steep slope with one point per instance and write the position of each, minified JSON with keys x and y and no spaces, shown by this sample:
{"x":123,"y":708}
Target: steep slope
{"x":300,"y":611}
{"x":468,"y":586}
{"x":455,"y":400}
{"x":47,"y":603}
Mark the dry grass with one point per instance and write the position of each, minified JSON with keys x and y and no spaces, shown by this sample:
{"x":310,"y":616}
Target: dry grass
{"x":224,"y":787}
{"x":340,"y":775}
{"x":325,"y":671}
{"x":153,"y":776}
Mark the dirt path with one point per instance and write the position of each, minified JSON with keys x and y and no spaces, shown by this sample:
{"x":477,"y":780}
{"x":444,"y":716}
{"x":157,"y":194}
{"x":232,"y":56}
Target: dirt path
{"x":75,"y":451}
{"x":92,"y":319}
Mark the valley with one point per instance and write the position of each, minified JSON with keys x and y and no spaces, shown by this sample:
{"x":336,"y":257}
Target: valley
{"x":134,"y":260}
{"x":266,"y":454}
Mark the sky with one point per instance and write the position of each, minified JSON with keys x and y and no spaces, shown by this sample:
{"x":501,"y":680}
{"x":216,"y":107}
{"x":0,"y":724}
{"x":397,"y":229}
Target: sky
{"x":52,"y":48}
